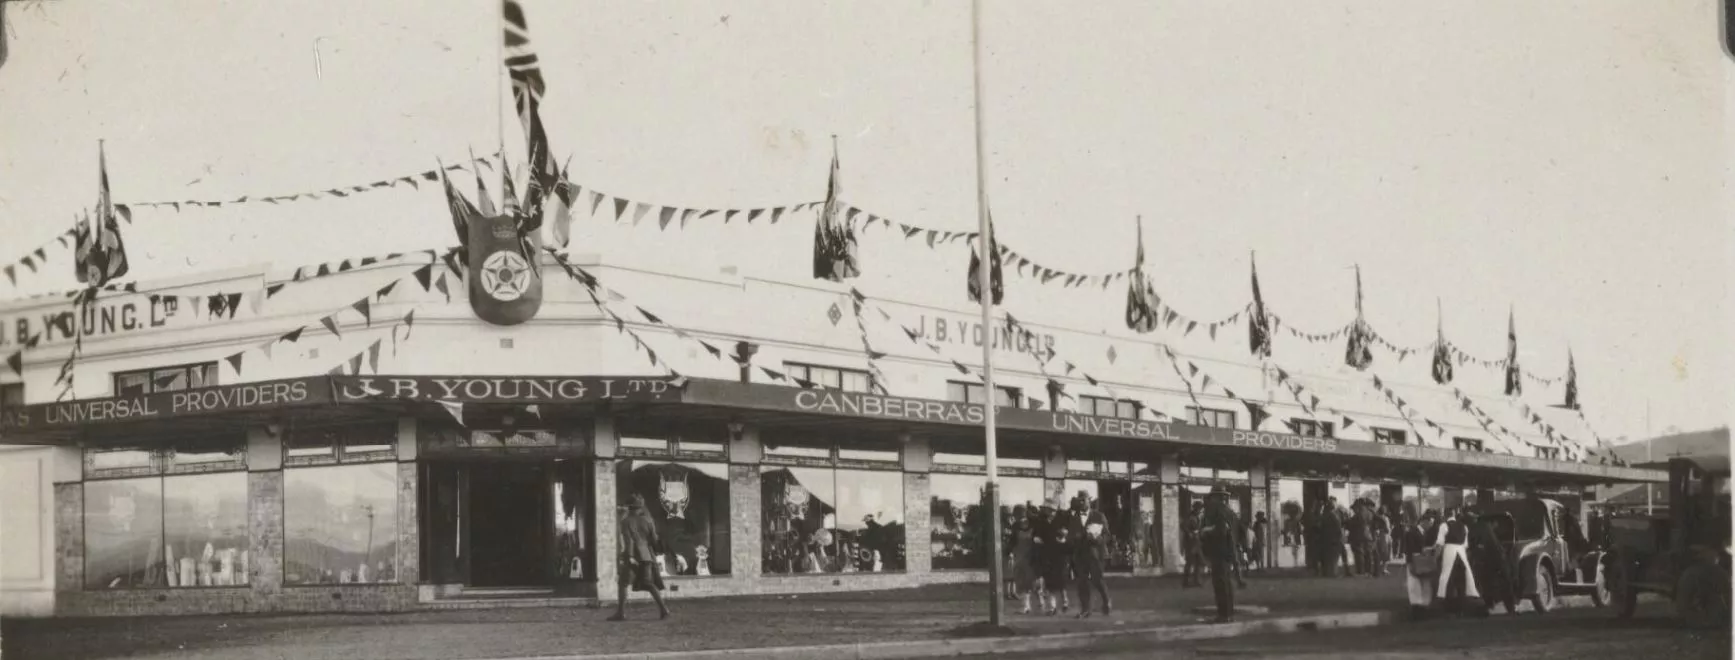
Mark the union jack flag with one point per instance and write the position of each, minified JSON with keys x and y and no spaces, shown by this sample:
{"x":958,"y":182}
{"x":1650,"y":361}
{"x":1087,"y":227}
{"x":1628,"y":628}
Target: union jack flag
{"x":525,"y":70}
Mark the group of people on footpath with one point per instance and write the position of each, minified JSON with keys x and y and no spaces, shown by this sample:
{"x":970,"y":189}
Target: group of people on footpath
{"x":1050,"y":548}
{"x":1455,"y":559}
{"x":1358,"y":541}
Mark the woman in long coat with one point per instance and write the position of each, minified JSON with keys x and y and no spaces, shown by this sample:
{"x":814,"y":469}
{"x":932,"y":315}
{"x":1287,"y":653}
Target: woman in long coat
{"x":1420,"y":588}
{"x":1024,"y":556}
{"x":1058,"y":549}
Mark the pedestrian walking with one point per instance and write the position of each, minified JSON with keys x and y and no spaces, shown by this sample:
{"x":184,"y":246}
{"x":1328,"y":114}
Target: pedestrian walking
{"x":1057,"y":554}
{"x":1456,"y":581}
{"x":1292,"y":536}
{"x":1419,"y":569}
{"x":1357,"y":529}
{"x":1217,"y":536}
{"x":1023,"y":556}
{"x":1331,"y":544}
{"x":1195,"y":557}
{"x":1491,"y":565}
{"x":1381,"y":552}
{"x":1092,"y":553}
{"x":640,"y":546}
{"x":1260,"y":532}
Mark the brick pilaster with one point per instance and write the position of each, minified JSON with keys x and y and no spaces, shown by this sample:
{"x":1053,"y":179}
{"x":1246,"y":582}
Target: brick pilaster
{"x":918,"y":541}
{"x":747,"y":537}
{"x":265,"y":532}
{"x":68,"y":537}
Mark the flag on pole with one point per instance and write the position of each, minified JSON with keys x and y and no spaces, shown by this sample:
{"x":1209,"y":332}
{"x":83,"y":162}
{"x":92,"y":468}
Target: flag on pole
{"x":484,"y":201}
{"x":1442,"y":353}
{"x":83,"y":251}
{"x":994,"y":280}
{"x":463,"y":213}
{"x":1358,"y":354}
{"x":1514,"y":377}
{"x":108,"y":254}
{"x":1259,"y":327}
{"x":525,"y":70}
{"x":834,"y":244}
{"x":1571,"y":382}
{"x":1141,"y":303}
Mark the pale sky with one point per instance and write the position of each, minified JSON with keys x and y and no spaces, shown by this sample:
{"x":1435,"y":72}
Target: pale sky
{"x":1567,"y":159}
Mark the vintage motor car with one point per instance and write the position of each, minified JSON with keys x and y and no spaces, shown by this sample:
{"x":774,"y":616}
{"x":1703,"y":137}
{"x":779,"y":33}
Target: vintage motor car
{"x":1682,"y":554}
{"x":1549,"y":549}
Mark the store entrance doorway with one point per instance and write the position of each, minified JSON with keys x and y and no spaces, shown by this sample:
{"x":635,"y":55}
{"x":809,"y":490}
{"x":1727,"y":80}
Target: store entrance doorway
{"x":510,"y":525}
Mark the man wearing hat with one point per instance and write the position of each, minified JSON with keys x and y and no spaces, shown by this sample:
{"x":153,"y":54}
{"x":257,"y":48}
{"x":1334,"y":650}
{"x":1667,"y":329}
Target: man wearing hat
{"x":639,"y":548}
{"x":1091,"y":533}
{"x":1218,"y":538}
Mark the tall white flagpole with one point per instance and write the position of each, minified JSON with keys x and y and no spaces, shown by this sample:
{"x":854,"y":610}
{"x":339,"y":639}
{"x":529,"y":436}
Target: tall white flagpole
{"x":996,"y":579}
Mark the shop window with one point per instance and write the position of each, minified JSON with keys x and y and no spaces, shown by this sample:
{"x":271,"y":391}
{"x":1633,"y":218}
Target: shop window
{"x":958,"y":522}
{"x":1550,"y":453}
{"x":167,"y":517}
{"x":1390,"y":436}
{"x":831,"y":520}
{"x":848,"y":380}
{"x":1107,"y":407}
{"x":1312,"y":428}
{"x":340,"y":504}
{"x":1467,"y":444}
{"x":1005,"y":397}
{"x":340,"y":524}
{"x":689,"y":502}
{"x":165,"y":379}
{"x":1223,"y":419}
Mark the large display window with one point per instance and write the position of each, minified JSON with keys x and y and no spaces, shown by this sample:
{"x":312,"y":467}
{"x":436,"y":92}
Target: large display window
{"x":167,"y":517}
{"x":340,"y":505}
{"x":829,"y":509}
{"x":689,"y":501}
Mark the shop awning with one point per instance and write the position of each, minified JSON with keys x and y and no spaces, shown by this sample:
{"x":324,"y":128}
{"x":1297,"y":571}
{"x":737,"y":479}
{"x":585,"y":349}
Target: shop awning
{"x":771,"y":406}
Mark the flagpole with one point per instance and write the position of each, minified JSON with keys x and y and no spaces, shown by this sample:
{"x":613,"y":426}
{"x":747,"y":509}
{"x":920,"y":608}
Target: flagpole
{"x":499,"y":85}
{"x":996,"y":581}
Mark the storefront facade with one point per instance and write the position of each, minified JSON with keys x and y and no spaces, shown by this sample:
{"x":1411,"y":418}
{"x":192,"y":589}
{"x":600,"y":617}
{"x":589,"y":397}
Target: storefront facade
{"x":484,"y":465}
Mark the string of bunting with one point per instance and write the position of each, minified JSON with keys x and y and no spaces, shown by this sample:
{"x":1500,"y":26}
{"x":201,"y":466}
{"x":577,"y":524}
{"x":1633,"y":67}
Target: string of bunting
{"x":876,"y":378}
{"x":413,"y":180}
{"x":362,"y":306}
{"x":1404,"y":410}
{"x":1054,"y":385}
{"x":1488,"y":423}
{"x":597,"y":292}
{"x":37,"y":256}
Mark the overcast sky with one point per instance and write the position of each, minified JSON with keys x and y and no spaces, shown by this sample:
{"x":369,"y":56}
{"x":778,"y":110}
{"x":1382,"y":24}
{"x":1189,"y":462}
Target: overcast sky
{"x":1566,"y":159}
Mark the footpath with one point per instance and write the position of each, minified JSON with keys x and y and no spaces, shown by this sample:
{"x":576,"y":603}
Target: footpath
{"x":927,"y":621}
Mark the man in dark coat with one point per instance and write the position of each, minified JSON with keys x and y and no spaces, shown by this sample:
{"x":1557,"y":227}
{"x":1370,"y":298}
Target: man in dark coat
{"x":1492,"y":566}
{"x":1357,"y":529}
{"x":1218,"y":540}
{"x":1092,"y":552}
{"x":1330,"y":540}
{"x":639,"y":550}
{"x":1193,"y":557}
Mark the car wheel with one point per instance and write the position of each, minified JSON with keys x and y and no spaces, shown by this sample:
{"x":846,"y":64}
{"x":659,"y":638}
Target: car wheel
{"x":1702,"y":596}
{"x":1543,"y":601}
{"x":1601,"y":595}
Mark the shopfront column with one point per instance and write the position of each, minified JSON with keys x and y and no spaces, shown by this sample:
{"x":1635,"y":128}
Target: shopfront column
{"x":1169,"y":501}
{"x":409,"y":571}
{"x":1264,"y":479}
{"x":918,"y":545}
{"x":68,"y":478}
{"x":605,"y":441}
{"x":265,"y":510}
{"x":746,"y":533}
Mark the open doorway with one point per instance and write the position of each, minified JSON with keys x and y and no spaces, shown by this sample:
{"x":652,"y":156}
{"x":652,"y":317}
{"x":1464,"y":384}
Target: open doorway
{"x":510,"y":518}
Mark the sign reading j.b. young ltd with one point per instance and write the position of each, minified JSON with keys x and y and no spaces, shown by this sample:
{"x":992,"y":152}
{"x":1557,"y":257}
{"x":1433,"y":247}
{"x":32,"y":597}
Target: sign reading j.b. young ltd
{"x":515,"y":389}
{"x":971,"y":333}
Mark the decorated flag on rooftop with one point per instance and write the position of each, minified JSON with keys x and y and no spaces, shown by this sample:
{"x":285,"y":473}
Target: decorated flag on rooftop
{"x":1358,"y":354}
{"x":995,"y":281}
{"x":1514,"y":377}
{"x":1259,"y":327}
{"x":834,"y":244}
{"x":1442,"y":353}
{"x":525,"y":70}
{"x":101,"y":255}
{"x":1571,"y":382}
{"x":1141,"y":300}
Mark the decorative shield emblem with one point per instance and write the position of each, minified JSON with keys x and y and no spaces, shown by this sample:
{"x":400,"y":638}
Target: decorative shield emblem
{"x":795,"y":500}
{"x":505,"y":275}
{"x":673,"y":494}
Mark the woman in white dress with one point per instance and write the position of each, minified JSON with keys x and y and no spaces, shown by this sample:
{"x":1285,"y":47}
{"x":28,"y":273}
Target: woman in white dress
{"x":1456,"y":580}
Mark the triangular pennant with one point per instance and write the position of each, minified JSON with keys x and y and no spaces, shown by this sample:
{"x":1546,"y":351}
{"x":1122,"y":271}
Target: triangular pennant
{"x":293,"y":335}
{"x":330,"y":324}
{"x":455,"y":409}
{"x":361,"y":306}
{"x":273,"y":289}
{"x":373,"y":357}
{"x":355,"y":364}
{"x":386,"y":290}
{"x":15,"y":362}
{"x":235,"y":361}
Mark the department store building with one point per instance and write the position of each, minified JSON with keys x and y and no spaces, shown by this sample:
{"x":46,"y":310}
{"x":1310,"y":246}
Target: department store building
{"x":470,"y":465}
